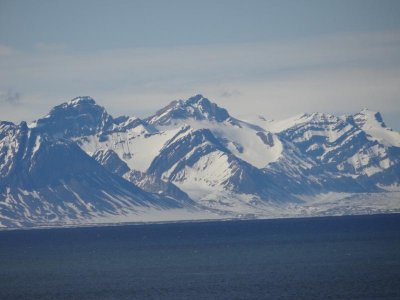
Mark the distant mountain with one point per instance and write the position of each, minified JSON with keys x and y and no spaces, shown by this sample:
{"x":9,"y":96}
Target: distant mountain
{"x":196,"y":107}
{"x":342,"y":147}
{"x":52,"y":181}
{"x":79,"y":163}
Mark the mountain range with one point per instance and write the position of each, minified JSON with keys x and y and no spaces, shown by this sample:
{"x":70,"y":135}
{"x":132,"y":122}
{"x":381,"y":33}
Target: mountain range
{"x":193,"y":160}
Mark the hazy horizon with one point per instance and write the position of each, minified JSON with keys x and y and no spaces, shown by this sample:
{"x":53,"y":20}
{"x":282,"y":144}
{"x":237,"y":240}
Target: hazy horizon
{"x":274,"y":58}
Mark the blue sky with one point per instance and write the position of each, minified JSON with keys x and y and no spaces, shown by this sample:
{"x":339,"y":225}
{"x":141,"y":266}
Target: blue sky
{"x":275,"y":58}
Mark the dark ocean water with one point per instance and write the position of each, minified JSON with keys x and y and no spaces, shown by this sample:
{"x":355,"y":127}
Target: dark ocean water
{"x":354,"y":257}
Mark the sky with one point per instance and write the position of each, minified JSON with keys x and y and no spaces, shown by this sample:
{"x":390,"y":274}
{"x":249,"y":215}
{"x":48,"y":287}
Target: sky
{"x":270,"y":58}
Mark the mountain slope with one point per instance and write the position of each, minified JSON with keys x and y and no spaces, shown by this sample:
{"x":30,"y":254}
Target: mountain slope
{"x":47,"y":181}
{"x":341,"y":147}
{"x":196,"y":145}
{"x":79,"y":162}
{"x":152,"y":184}
{"x":215,"y":158}
{"x":195,"y":125}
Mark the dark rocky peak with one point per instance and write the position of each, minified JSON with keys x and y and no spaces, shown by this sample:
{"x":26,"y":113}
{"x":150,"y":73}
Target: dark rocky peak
{"x":196,"y":107}
{"x":79,"y":117}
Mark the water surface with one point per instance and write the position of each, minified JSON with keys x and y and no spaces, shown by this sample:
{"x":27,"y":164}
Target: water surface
{"x":355,"y":257}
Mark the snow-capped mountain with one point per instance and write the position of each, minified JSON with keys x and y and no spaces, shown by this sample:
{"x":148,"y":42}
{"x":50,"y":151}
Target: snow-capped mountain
{"x":79,"y":117}
{"x":52,"y":181}
{"x":357,"y":147}
{"x":215,"y":158}
{"x":197,"y":108}
{"x":192,"y":154}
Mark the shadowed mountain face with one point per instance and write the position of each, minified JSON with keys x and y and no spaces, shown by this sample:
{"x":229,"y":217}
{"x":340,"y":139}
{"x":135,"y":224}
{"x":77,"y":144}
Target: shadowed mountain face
{"x":196,"y":107}
{"x":79,"y":162}
{"x":83,"y":117}
{"x":80,"y":116}
{"x":52,"y":181}
{"x":146,"y":181}
{"x":344,"y":149}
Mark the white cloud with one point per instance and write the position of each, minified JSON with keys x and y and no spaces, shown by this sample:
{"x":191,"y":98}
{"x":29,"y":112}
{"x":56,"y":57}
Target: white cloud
{"x":6,"y":51}
{"x":337,"y":73}
{"x":11,"y":97}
